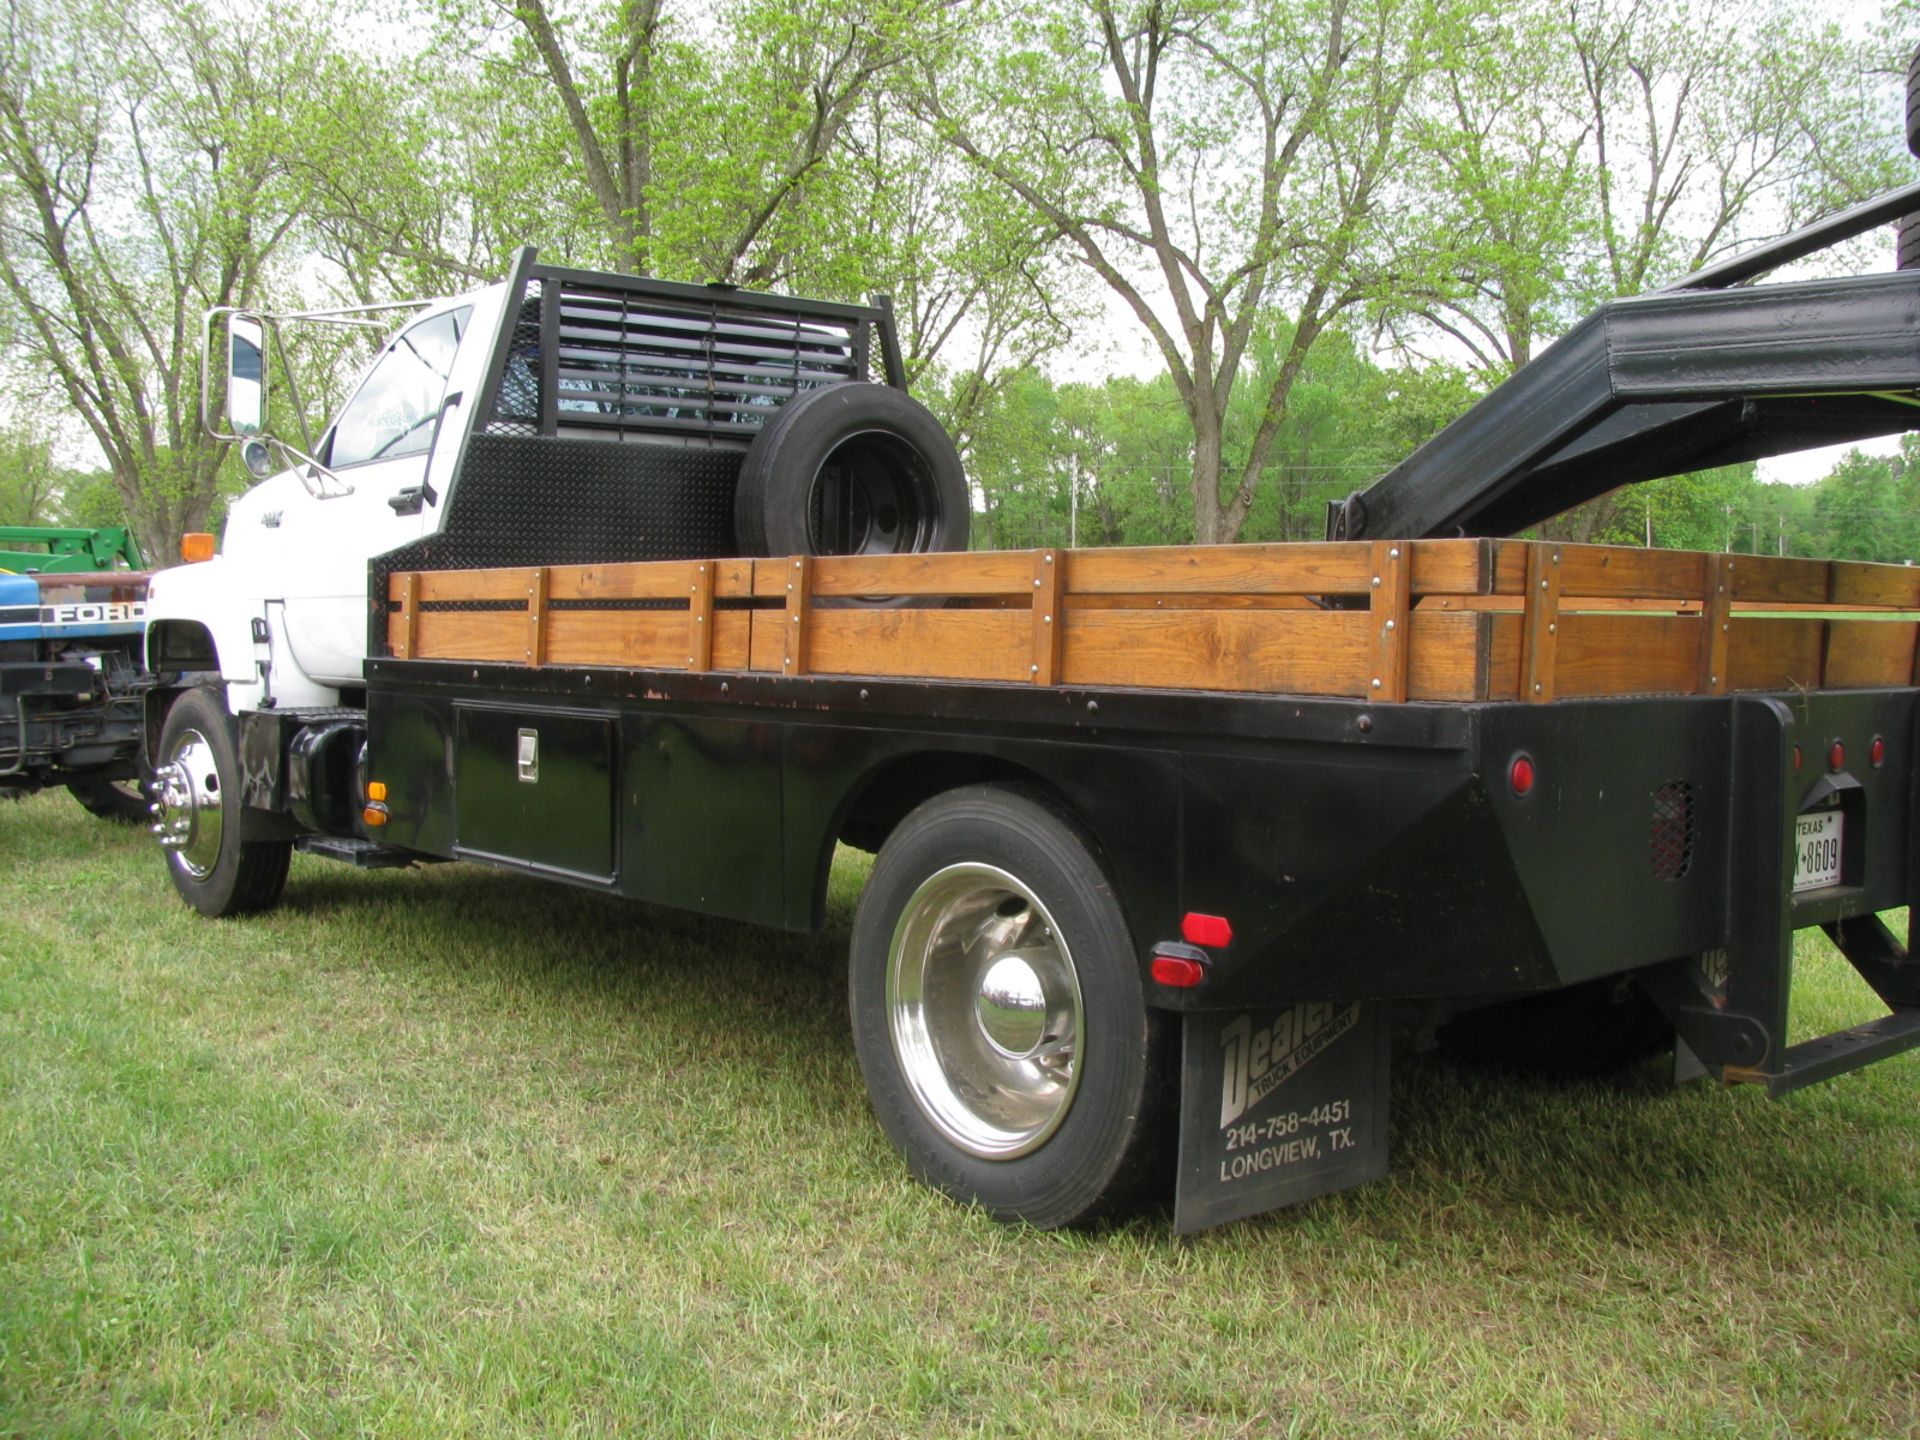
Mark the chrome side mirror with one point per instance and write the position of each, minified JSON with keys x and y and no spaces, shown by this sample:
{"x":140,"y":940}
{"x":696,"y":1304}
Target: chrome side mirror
{"x":247,"y":379}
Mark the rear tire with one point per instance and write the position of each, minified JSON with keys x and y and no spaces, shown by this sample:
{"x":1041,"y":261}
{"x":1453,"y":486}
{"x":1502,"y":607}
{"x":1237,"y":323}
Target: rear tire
{"x":1000,"y":1016}
{"x":122,"y":801}
{"x":197,"y":787}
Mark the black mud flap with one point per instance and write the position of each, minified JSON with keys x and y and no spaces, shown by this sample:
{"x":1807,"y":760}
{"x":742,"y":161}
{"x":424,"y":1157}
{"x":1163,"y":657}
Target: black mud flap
{"x":1277,"y":1107}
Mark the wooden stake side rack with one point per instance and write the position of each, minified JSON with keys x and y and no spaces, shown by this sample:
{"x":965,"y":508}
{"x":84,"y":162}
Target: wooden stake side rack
{"x":1442,"y":620}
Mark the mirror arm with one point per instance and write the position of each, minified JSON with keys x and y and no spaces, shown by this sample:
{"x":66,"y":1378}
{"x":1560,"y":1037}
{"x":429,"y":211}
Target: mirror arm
{"x":319,"y":481}
{"x":293,"y":387}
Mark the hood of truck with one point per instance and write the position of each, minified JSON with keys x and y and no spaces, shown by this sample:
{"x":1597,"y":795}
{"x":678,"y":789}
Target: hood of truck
{"x":74,"y":606}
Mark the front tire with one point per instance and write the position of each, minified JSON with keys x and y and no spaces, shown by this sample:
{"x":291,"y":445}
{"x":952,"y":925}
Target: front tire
{"x":1000,"y":1016}
{"x":196,"y":786}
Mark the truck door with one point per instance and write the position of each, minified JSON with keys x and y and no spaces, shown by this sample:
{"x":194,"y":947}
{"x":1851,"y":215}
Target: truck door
{"x":379,"y":446}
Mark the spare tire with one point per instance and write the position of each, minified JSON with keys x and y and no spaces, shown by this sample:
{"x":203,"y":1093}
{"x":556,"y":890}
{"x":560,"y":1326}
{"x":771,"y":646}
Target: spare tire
{"x":1913,"y":103}
{"x":852,"y":469}
{"x":1907,"y":248}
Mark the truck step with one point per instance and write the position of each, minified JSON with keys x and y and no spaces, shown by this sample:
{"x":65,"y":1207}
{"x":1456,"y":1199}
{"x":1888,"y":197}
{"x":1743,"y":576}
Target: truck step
{"x":1812,"y":1061}
{"x":362,"y":854}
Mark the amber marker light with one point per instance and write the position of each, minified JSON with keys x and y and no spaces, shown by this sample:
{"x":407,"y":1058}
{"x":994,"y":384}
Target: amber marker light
{"x":195,"y":546}
{"x":376,"y":790}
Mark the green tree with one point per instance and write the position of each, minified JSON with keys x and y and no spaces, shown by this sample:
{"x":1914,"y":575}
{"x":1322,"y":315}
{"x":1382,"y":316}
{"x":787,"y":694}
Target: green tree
{"x":154,"y":160}
{"x":1865,"y":508}
{"x":31,"y":481}
{"x":1207,"y":160}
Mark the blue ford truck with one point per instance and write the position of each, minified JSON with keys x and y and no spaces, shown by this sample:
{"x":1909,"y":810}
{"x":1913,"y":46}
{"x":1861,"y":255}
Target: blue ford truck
{"x":72,"y":686}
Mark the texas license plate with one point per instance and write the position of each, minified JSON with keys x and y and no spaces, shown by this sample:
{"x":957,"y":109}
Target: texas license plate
{"x":1816,"y":852}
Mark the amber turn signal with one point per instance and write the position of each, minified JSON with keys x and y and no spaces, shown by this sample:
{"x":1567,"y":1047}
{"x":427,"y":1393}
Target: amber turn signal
{"x":374,"y":814}
{"x":195,"y":546}
{"x":376,"y":790}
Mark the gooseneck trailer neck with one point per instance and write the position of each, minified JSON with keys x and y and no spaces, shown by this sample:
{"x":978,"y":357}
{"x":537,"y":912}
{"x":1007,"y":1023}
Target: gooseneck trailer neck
{"x":1708,"y":372}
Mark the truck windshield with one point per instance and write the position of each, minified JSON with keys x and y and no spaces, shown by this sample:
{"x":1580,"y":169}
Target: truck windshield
{"x":393,"y":412}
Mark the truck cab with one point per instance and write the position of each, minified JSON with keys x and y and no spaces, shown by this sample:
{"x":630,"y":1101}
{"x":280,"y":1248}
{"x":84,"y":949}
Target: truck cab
{"x":279,"y":615}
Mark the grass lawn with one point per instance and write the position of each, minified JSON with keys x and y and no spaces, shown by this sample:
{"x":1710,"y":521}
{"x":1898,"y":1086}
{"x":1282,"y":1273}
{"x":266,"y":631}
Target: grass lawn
{"x":454,"y":1153}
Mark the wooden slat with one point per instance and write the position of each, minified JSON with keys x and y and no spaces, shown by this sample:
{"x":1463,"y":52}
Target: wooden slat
{"x":634,"y":639}
{"x":1509,"y":566}
{"x":793,"y":660}
{"x":1627,"y":655}
{"x":1774,"y":654}
{"x":919,"y":643}
{"x":1392,"y":583}
{"x":470,"y":635}
{"x":733,"y":637}
{"x":732,"y":579}
{"x":1452,"y":567}
{"x":1048,"y":620}
{"x":1448,"y":655}
{"x":1319,"y":652}
{"x":700,"y":615}
{"x":442,"y":585}
{"x":1783,"y":579}
{"x":1180,"y":602}
{"x":1618,"y":570}
{"x":1595,"y":603}
{"x":536,"y":616}
{"x":652,"y":580}
{"x":1541,"y":622}
{"x":1318,"y":569}
{"x":400,"y":630}
{"x":1862,"y":654}
{"x":767,"y":649}
{"x":1716,"y":620}
{"x":1856,"y":585}
{"x":1503,"y":657}
{"x":1007,"y":572}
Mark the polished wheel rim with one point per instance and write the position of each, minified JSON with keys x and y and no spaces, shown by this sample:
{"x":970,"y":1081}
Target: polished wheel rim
{"x":984,"y":1006}
{"x":187,"y":810}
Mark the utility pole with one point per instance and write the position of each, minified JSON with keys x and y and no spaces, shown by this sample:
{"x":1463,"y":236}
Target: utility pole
{"x":1073,"y":503}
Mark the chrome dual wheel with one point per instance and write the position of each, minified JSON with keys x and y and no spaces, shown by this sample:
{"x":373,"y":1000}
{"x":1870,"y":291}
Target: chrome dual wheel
{"x":984,"y":1006}
{"x":198,"y":815}
{"x":1000,"y":1015}
{"x":189,"y":816}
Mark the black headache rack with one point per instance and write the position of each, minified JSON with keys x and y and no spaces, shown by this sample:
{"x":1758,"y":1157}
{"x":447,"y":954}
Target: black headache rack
{"x":1685,"y":379}
{"x":625,"y":357}
{"x":614,"y":414}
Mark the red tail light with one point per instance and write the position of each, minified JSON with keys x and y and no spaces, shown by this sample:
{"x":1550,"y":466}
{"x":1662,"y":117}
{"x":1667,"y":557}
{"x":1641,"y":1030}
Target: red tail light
{"x":1520,"y":776}
{"x":1181,"y":972}
{"x":1211,"y":931}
